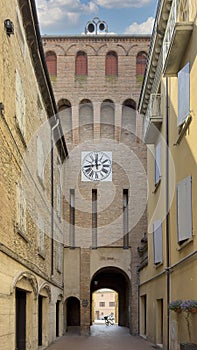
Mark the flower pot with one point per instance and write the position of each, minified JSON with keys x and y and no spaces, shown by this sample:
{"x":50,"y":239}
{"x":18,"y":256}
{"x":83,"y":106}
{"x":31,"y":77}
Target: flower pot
{"x":193,"y":310}
{"x":188,"y":346}
{"x":178,"y":310}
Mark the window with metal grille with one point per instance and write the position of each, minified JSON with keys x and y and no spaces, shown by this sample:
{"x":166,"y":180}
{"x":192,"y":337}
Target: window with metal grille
{"x":51,"y":61}
{"x":81,"y":63}
{"x":111,"y":63}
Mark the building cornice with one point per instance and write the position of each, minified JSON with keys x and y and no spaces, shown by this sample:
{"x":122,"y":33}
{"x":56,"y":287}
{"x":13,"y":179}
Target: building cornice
{"x":34,"y":41}
{"x":96,"y":37}
{"x":156,"y":43}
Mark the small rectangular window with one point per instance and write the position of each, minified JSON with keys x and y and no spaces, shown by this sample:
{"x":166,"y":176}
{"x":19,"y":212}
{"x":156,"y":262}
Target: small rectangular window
{"x":157,"y":242}
{"x":111,"y":303}
{"x":102,"y":304}
{"x":184,"y":209}
{"x":94,"y":218}
{"x":72,"y":218}
{"x":125,"y":219}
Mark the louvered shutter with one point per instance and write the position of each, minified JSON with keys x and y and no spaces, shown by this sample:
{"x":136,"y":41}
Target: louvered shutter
{"x":157,"y":242}
{"x":184,"y":209}
{"x":183,"y":93}
{"x":157,"y":162}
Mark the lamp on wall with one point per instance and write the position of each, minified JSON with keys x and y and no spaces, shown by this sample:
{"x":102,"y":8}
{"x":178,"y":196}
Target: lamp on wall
{"x":9,"y":26}
{"x":1,"y":108}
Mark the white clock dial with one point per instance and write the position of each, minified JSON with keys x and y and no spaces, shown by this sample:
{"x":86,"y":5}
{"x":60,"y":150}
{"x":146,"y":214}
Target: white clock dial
{"x":96,"y":166}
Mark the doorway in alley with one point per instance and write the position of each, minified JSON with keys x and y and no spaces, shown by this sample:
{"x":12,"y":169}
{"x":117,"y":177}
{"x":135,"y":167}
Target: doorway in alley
{"x":20,"y":319}
{"x":115,"y":279}
{"x":73,"y":312}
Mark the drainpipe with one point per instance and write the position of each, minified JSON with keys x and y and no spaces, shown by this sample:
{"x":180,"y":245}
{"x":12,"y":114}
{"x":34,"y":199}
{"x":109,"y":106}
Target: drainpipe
{"x":167,"y":219}
{"x":52,"y":198}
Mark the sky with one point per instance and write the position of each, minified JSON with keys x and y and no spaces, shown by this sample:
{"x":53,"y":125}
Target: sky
{"x":67,"y":17}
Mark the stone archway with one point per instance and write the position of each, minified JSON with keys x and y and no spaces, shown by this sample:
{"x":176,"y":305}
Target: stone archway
{"x":116,"y":279}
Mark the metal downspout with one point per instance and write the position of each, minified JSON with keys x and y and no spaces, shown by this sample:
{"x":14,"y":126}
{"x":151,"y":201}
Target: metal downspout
{"x":52,"y":198}
{"x":167,"y":218}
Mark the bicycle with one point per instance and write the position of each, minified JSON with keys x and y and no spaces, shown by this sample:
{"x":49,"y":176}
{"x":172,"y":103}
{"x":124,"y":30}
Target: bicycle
{"x":109,"y":321}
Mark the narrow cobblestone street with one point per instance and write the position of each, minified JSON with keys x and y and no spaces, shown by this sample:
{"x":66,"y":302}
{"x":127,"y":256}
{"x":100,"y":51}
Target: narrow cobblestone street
{"x":104,"y":338}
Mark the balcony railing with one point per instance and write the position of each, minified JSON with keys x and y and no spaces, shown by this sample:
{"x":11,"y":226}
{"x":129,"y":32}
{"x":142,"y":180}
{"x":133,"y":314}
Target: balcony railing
{"x":178,"y":31}
{"x":153,"y":119}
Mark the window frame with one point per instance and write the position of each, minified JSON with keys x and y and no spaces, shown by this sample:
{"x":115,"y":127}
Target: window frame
{"x":157,"y":242}
{"x":111,"y":68}
{"x":81,"y":64}
{"x":184,"y":212}
{"x":52,"y":70}
{"x":158,"y":158}
{"x":183,"y":94}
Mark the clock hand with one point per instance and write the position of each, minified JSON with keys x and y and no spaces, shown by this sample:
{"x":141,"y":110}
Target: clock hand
{"x":96,"y":161}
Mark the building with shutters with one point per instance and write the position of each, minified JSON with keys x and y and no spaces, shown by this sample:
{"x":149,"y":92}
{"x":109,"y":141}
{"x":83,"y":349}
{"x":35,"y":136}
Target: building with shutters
{"x":168,"y":102}
{"x":97,"y":79}
{"x":32,"y":152}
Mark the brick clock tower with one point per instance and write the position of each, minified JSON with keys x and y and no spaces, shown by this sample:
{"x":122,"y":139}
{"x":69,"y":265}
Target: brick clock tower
{"x":97,"y":79}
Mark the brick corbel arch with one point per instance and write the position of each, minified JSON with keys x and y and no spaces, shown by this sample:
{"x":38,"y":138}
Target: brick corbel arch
{"x":28,"y":275}
{"x":45,"y":286}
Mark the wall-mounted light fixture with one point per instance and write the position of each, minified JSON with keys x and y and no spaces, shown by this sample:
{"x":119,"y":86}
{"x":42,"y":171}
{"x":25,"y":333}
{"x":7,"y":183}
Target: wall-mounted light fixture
{"x":9,"y":26}
{"x":1,"y":108}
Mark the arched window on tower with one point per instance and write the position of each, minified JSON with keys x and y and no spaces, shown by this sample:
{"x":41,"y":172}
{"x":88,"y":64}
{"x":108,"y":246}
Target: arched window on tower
{"x":86,"y":121}
{"x":65,"y":113}
{"x":111,"y":63}
{"x":107,"y":119}
{"x":140,"y":65}
{"x":81,"y":63}
{"x":128,"y":125}
{"x":51,"y":61}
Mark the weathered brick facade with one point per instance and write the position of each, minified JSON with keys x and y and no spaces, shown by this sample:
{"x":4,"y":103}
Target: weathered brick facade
{"x":98,"y":113}
{"x":29,"y":289}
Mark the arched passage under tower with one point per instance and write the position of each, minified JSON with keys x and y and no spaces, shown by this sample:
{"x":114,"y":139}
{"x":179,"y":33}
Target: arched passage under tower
{"x":117,"y":280}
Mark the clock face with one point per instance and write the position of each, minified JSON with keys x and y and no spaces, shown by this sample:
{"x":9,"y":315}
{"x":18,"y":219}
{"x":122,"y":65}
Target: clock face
{"x":96,"y":166}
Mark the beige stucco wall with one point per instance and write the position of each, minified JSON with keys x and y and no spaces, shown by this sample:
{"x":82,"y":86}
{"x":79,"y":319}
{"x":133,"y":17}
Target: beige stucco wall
{"x":182,"y":258}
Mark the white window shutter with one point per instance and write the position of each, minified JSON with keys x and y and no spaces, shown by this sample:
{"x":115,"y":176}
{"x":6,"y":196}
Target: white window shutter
{"x":157,"y":242}
{"x":183,"y":93}
{"x":157,"y":162}
{"x":184,"y":209}
{"x":40,"y":234}
{"x":21,"y":209}
{"x":58,"y":256}
{"x":20,"y":105}
{"x":58,"y":201}
{"x":40,"y":159}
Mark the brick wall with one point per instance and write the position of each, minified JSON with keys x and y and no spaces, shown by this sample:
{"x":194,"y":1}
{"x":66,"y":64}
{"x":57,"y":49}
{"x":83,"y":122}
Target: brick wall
{"x":109,"y":123}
